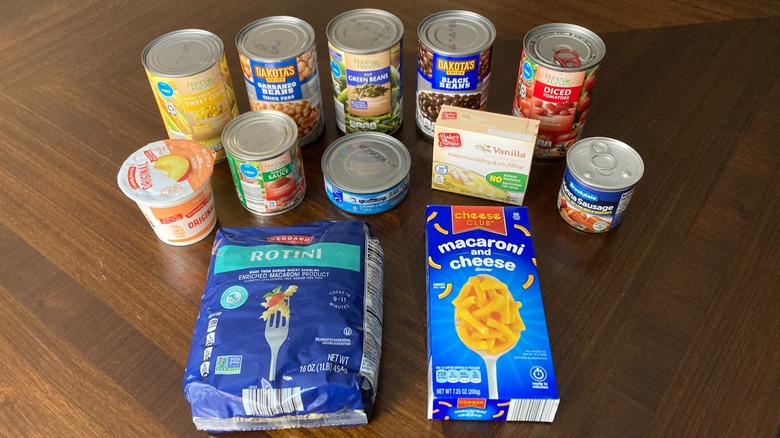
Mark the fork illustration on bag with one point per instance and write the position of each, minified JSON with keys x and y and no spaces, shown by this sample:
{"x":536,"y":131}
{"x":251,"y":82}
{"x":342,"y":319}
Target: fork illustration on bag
{"x":277,"y":327}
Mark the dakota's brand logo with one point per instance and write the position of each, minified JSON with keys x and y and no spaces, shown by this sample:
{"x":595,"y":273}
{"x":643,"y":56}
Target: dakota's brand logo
{"x":488,"y":218}
{"x":455,"y":68}
{"x":478,"y":403}
{"x":291,"y":239}
{"x":275,"y":74}
{"x":449,"y":140}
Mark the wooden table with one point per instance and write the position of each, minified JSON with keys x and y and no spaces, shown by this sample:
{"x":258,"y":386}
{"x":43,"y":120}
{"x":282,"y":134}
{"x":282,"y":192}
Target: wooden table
{"x":667,"y":326}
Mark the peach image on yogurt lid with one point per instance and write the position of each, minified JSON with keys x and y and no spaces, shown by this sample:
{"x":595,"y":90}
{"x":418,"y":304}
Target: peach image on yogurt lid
{"x":170,"y":180}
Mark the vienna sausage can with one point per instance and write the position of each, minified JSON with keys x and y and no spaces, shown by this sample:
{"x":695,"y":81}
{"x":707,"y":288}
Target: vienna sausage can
{"x":598,"y":183}
{"x":454,"y":54}
{"x":365,"y":64}
{"x":279,"y":62}
{"x":189,"y":75}
{"x":265,"y":160}
{"x":555,"y":83}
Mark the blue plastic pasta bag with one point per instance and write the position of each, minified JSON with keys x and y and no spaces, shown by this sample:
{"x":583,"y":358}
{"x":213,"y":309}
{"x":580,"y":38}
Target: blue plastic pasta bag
{"x":289,"y":331}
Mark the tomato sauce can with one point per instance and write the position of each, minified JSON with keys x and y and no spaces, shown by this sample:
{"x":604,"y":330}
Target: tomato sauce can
{"x":365,"y":62}
{"x":279,"y":63}
{"x":189,"y":75}
{"x":598,"y":183}
{"x":264,"y":155}
{"x":555,"y":82}
{"x":454,"y":57}
{"x":366,"y":172}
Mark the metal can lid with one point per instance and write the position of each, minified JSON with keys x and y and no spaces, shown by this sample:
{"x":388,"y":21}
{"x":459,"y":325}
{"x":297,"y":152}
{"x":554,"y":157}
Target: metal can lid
{"x":456,"y":32}
{"x":605,"y":163}
{"x":366,"y":162}
{"x":259,"y":135}
{"x":182,"y":53}
{"x":275,"y":38}
{"x":543,"y":42}
{"x":365,"y":31}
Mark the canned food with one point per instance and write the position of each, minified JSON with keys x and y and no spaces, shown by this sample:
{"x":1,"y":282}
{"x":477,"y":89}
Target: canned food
{"x":265,"y":161}
{"x":366,"y":173}
{"x":189,"y":75}
{"x":600,"y":177}
{"x":170,"y":180}
{"x":365,"y":64}
{"x":555,"y":83}
{"x":454,"y":56}
{"x":279,"y":62}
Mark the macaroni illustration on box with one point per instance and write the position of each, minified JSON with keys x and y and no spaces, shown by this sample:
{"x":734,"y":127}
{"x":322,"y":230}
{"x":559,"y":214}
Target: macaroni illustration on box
{"x":488,"y":350}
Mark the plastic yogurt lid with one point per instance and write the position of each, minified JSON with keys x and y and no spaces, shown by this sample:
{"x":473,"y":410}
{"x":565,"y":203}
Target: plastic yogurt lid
{"x":275,"y":38}
{"x":182,"y":53}
{"x":366,"y":162}
{"x":166,"y":172}
{"x":605,"y":163}
{"x":259,"y":135}
{"x":456,"y":32}
{"x":365,"y":31}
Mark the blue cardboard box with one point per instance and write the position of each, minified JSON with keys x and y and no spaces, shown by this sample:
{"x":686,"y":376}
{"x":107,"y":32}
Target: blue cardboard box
{"x":488,"y":349}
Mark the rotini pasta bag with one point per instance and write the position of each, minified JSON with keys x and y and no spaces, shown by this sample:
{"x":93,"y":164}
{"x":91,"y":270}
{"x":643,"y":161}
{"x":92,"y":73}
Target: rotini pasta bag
{"x":290,"y":329}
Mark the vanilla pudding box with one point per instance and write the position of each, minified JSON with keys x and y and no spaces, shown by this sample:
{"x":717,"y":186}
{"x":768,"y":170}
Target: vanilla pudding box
{"x":482,"y":154}
{"x":488,"y":350}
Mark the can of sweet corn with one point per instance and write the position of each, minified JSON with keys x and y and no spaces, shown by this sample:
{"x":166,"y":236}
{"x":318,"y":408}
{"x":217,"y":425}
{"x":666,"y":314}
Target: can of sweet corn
{"x":190,"y":79}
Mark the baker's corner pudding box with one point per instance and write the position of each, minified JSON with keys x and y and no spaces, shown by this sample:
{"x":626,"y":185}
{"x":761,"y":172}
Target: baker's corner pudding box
{"x":483,"y":154}
{"x":488,"y":350}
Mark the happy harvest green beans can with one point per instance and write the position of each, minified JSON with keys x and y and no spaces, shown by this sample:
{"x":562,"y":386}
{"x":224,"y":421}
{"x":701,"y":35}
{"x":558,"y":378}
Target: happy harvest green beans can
{"x":365,"y":62}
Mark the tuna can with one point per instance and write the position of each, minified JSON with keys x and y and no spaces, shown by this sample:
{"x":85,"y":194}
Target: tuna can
{"x":366,"y":173}
{"x":265,"y":160}
{"x":555,"y":83}
{"x":279,"y":63}
{"x":365,"y":65}
{"x":170,"y":180}
{"x":189,"y":75}
{"x":454,"y":57}
{"x":600,"y":177}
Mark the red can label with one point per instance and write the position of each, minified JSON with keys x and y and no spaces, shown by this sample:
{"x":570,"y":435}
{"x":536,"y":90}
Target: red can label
{"x":559,"y":99}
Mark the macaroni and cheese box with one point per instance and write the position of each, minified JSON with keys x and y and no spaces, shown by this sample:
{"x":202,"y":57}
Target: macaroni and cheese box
{"x":488,"y":350}
{"x":483,"y":154}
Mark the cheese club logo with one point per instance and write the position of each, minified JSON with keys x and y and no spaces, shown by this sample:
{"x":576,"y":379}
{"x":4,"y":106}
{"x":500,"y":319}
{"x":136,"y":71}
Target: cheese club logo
{"x":467,"y":218}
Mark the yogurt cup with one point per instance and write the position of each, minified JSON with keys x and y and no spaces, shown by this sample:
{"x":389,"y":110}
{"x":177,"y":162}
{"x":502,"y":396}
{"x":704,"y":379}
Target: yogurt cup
{"x":170,"y":180}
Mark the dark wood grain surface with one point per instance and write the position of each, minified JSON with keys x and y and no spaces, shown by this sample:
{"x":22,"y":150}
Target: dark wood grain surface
{"x":668,"y":326}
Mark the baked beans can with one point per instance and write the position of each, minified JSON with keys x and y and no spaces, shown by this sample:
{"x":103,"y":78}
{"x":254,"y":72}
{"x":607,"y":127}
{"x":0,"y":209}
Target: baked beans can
{"x":365,"y":63}
{"x":189,"y":75}
{"x":555,"y":82}
{"x":598,"y":183}
{"x":454,"y":56}
{"x":265,"y":160}
{"x":279,"y":62}
{"x":366,"y":172}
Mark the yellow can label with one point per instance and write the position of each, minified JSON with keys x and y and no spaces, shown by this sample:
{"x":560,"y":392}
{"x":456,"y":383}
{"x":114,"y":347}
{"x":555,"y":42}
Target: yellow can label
{"x":197,"y":107}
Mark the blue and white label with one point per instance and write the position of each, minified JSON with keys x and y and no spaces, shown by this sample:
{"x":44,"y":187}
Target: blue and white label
{"x":528,"y":71}
{"x":248,"y":170}
{"x":452,"y":73}
{"x":165,"y":89}
{"x":234,"y":297}
{"x":371,"y":203}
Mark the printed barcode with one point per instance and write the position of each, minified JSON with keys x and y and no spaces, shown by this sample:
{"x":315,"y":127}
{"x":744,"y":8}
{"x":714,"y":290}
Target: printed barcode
{"x":254,"y":195}
{"x":532,"y":410}
{"x":267,"y":402}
